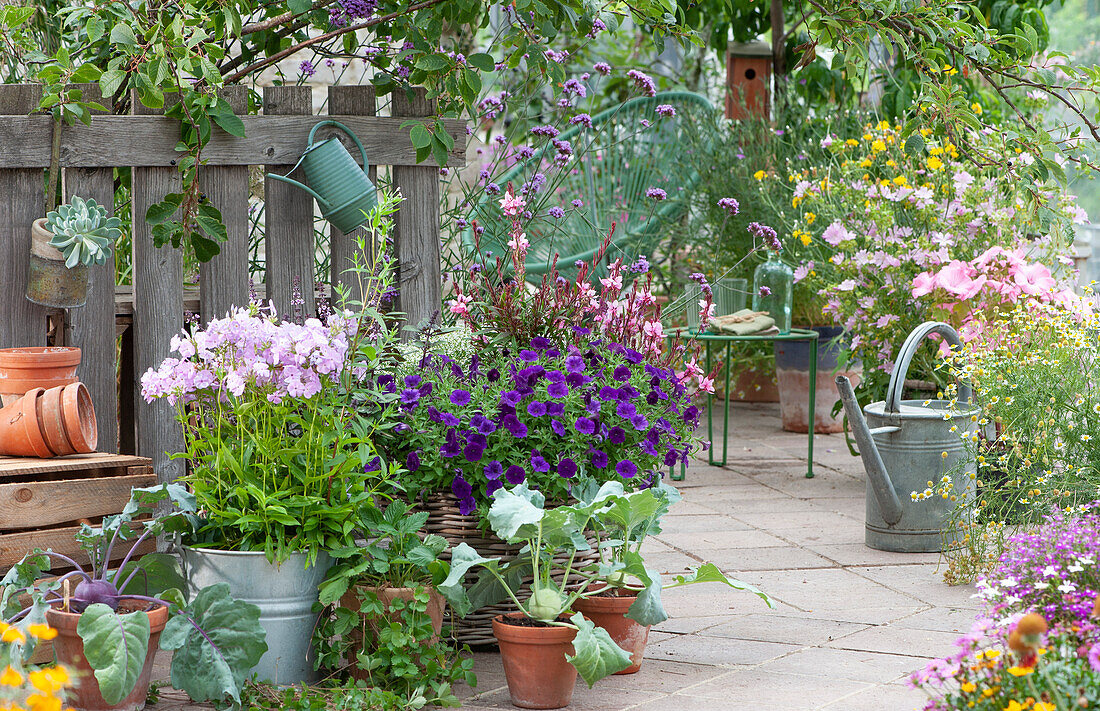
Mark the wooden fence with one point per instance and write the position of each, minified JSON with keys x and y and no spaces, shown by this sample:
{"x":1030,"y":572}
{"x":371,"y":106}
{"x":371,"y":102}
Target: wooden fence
{"x":146,"y":143}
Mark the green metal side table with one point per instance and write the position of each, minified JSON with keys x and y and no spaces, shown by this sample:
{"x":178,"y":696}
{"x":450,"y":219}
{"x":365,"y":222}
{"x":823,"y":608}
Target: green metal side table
{"x":710,"y":340}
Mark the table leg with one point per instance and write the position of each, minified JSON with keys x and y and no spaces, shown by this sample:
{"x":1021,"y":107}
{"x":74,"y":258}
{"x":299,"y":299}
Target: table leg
{"x":813,"y":406}
{"x":726,"y":416}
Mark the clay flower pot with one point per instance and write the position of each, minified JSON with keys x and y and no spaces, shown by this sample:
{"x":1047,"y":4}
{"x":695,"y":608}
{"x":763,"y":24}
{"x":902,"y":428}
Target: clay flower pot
{"x":24,"y":368}
{"x":69,"y":648}
{"x":610,"y":613}
{"x":79,"y":418}
{"x":49,"y":281}
{"x":538,"y":675}
{"x":350,"y":601}
{"x":20,"y":434}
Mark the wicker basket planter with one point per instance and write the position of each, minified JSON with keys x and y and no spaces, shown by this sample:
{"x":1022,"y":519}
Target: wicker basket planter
{"x":444,"y":519}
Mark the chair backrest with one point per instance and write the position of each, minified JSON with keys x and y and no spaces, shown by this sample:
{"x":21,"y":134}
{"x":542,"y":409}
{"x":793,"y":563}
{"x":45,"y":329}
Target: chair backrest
{"x":628,"y":150}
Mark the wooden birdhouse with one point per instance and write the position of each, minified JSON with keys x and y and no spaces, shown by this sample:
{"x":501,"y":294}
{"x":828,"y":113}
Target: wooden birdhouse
{"x":748,"y":80}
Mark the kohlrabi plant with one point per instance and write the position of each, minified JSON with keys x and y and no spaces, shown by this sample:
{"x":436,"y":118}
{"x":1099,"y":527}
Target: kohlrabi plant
{"x":215,"y":639}
{"x":82,"y":232}
{"x":519,"y":516}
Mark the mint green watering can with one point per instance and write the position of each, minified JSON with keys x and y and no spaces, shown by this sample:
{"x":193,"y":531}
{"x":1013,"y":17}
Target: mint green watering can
{"x":340,"y":186}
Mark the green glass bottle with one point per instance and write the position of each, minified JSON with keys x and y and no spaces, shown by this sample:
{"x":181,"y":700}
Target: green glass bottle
{"x":773,"y":290}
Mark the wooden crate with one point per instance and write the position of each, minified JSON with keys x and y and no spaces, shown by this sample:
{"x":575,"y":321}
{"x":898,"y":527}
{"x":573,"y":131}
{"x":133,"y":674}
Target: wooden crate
{"x":43,"y":501}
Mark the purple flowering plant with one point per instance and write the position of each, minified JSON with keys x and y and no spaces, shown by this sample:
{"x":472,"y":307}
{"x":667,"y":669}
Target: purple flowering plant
{"x":542,"y":415}
{"x":1036,"y":645}
{"x":279,"y":445}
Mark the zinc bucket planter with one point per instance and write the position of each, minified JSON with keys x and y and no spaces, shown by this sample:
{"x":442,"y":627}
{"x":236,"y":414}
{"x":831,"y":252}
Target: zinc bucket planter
{"x":69,"y":648}
{"x":609,"y":612}
{"x":285,"y":594}
{"x":533,"y":655}
{"x":792,"y":369}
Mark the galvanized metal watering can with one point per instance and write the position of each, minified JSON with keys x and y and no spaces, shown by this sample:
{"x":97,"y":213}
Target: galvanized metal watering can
{"x":341,"y":187}
{"x":908,"y":444}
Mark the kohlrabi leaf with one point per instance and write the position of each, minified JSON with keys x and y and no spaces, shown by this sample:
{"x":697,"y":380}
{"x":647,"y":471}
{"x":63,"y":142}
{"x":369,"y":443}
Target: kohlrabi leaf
{"x":595,"y":655}
{"x":709,"y":573}
{"x":515,"y":514}
{"x":489,"y":590}
{"x":463,"y":558}
{"x":115,"y":646}
{"x":212,"y":664}
{"x":647,"y":609}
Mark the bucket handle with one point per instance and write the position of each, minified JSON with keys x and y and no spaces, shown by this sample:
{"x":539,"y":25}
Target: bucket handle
{"x":345,"y":129}
{"x":905,"y":357}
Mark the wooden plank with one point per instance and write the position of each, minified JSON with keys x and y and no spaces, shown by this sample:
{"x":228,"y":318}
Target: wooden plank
{"x":75,"y":462}
{"x":417,"y":224}
{"x":124,"y":300}
{"x":223,"y":281}
{"x":127,"y":427}
{"x":13,"y":546}
{"x":288,"y":211}
{"x":22,"y":201}
{"x":349,"y":100}
{"x":158,"y":315}
{"x":91,"y":327}
{"x":34,"y":504}
{"x":151,"y":141}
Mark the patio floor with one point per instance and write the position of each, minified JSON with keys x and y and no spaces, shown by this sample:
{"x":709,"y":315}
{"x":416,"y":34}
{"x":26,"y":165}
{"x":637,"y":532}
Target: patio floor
{"x":850,"y":623}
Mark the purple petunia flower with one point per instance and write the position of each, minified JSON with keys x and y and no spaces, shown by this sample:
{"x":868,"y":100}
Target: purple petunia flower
{"x":516,"y":428}
{"x":412,"y":461}
{"x":493,"y":470}
{"x":540,"y":343}
{"x":585,"y":425}
{"x":460,"y":487}
{"x":483,"y":424}
{"x":449,"y":419}
{"x":557,"y":427}
{"x":460,"y":397}
{"x":536,"y":408}
{"x":473,"y":452}
{"x":639,"y":422}
{"x":574,"y":364}
{"x":450,"y":448}
{"x":510,"y":397}
{"x":670,"y":457}
{"x":626,"y":468}
{"x":616,"y":435}
{"x":491,"y":488}
{"x":567,"y":468}
{"x":515,"y":474}
{"x":626,"y":410}
{"x":598,"y":458}
{"x":410,"y":396}
{"x":554,"y":408}
{"x":622,"y":373}
{"x":558,"y":389}
{"x":576,"y":380}
{"x":539,"y":463}
{"x":412,"y":381}
{"x":528,"y":355}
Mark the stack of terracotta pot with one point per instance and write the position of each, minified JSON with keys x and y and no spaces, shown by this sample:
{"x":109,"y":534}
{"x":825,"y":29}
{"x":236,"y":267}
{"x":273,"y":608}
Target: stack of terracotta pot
{"x":46,"y":411}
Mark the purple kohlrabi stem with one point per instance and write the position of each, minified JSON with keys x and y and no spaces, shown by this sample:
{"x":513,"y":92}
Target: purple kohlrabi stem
{"x":125,"y":560}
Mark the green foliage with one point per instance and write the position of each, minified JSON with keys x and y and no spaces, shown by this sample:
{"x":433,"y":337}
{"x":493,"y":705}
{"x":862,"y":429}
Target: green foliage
{"x":82,"y":232}
{"x":115,"y":646}
{"x":393,"y":648}
{"x":215,"y":642}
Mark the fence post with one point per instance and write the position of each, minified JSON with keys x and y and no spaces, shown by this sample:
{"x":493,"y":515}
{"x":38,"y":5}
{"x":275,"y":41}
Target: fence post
{"x":223,"y":281}
{"x":288,"y":215}
{"x":417,"y":224}
{"x":92,"y":327}
{"x":22,"y":201}
{"x":357,"y":101}
{"x":158,"y":314}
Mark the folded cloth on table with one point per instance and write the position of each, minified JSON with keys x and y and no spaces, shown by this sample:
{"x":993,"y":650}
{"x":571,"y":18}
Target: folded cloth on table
{"x":745,"y":322}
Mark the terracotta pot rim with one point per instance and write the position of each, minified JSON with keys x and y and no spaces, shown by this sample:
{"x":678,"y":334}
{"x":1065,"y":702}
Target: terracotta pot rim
{"x":78,"y":415}
{"x":158,"y":616}
{"x":549,"y":635}
{"x":605,"y":604}
{"x":31,"y":356}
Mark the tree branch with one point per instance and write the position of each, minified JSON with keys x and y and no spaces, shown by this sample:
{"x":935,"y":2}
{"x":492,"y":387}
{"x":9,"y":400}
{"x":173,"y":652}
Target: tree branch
{"x":280,"y":19}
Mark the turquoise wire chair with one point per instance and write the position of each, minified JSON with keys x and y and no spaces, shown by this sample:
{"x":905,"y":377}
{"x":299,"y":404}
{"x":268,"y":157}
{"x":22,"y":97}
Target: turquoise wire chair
{"x":619,"y":161}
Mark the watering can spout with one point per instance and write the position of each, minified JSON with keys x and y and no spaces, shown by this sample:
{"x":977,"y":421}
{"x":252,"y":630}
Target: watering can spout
{"x":879,"y":478}
{"x":320,"y":200}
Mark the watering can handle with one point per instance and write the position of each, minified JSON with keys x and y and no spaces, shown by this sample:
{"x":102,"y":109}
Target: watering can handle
{"x":905,"y":357}
{"x":345,"y":129}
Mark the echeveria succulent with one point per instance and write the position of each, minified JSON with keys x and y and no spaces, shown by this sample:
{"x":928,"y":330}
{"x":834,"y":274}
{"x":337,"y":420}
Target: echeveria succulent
{"x":82,"y":232}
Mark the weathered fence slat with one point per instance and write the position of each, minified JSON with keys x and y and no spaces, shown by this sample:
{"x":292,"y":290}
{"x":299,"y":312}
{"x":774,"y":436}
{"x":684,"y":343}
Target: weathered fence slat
{"x":158,"y":315}
{"x":288,"y":212}
{"x":92,"y":327}
{"x":22,"y":201}
{"x":223,"y":281}
{"x":350,"y":100}
{"x":151,"y":141}
{"x":417,"y":223}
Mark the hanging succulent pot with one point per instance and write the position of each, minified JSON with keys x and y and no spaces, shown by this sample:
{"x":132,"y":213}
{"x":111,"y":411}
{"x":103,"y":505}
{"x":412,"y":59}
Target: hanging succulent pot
{"x":64,"y":245}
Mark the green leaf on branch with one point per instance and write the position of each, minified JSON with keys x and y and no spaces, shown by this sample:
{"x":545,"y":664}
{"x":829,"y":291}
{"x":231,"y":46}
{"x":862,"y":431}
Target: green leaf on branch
{"x":709,"y":573}
{"x":216,"y":641}
{"x":481,"y":61}
{"x":228,"y":121}
{"x":432,"y":62}
{"x":515,"y":514}
{"x":299,"y":6}
{"x":123,"y":34}
{"x":648,"y":609}
{"x":159,"y":212}
{"x":596,"y":654}
{"x":463,"y":558}
{"x":420,"y":136}
{"x":914,"y":145}
{"x":116,"y":647}
{"x":110,"y":81}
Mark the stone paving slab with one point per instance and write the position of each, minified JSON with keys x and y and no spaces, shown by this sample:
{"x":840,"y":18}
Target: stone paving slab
{"x":850,"y":623}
